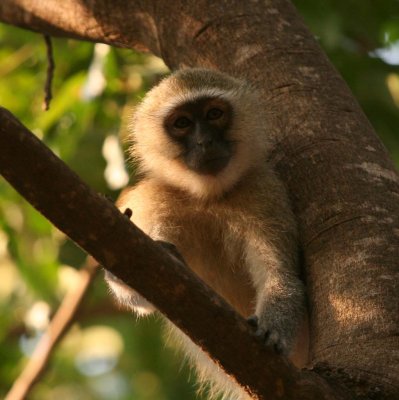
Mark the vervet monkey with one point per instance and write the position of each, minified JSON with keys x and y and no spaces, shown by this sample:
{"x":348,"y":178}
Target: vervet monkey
{"x":201,"y":143}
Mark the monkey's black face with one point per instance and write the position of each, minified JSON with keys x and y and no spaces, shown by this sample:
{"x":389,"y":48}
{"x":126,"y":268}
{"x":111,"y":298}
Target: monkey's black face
{"x":200,"y":127}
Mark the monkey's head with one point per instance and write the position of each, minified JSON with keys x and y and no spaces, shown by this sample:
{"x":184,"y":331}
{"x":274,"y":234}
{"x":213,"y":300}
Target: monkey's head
{"x":199,"y":130}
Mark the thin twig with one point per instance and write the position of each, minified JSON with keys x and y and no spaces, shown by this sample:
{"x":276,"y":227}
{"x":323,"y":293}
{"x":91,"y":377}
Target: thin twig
{"x":56,"y":330}
{"x":50,"y":73}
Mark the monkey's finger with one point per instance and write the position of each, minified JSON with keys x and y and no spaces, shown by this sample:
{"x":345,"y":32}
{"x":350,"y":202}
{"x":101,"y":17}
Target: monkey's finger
{"x":128,"y":213}
{"x":172,"y":249}
{"x":253,"y":321}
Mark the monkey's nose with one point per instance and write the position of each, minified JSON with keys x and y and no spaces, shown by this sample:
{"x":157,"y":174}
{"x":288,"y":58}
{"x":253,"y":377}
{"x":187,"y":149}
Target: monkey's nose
{"x":205,"y":142}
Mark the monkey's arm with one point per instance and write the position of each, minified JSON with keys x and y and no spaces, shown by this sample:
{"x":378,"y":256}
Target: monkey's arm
{"x":279,"y":292}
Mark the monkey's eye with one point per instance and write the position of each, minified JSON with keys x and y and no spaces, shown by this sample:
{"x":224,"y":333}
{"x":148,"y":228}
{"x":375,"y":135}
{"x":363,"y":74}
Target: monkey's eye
{"x":214,"y":113}
{"x":182,"y":123}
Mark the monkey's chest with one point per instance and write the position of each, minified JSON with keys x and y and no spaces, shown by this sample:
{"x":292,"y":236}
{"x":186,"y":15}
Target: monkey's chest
{"x":216,"y":254}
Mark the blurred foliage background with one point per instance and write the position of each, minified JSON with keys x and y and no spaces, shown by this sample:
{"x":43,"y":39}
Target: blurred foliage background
{"x":107,"y":354}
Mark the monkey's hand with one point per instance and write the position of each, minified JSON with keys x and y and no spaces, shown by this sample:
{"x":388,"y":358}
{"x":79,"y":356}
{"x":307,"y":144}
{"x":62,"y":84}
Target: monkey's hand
{"x":172,"y":250}
{"x":277,"y":319}
{"x":270,"y":337}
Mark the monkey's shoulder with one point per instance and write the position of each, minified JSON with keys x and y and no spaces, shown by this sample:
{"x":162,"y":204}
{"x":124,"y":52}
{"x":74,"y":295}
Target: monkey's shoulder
{"x":261,"y":191}
{"x":152,"y":195}
{"x":256,"y":198}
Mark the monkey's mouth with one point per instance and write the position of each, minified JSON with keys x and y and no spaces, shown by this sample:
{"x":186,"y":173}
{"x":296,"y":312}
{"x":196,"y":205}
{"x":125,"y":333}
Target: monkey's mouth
{"x":211,"y":166}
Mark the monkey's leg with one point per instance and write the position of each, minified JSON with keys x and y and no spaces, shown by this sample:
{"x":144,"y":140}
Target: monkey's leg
{"x":128,"y":297}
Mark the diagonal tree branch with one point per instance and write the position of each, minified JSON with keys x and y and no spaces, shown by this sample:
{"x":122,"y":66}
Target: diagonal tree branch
{"x":99,"y":228}
{"x":87,"y":20}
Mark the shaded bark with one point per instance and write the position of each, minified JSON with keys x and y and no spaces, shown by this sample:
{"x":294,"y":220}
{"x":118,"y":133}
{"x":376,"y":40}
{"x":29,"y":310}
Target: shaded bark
{"x":343,"y":185}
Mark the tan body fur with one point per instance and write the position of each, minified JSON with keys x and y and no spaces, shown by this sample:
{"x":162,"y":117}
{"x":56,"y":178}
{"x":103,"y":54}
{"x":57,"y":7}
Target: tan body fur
{"x":235,"y":230}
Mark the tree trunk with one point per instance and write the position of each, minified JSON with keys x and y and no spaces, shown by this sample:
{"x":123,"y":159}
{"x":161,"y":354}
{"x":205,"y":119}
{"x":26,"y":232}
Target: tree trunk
{"x":343,"y":185}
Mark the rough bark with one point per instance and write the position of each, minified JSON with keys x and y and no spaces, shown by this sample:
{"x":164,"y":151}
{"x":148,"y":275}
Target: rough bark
{"x":344,"y":187}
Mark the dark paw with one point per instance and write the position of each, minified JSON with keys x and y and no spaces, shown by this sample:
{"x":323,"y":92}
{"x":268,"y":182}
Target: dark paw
{"x":253,"y":321}
{"x":269,"y":337}
{"x":171,"y":249}
{"x":128,"y":213}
